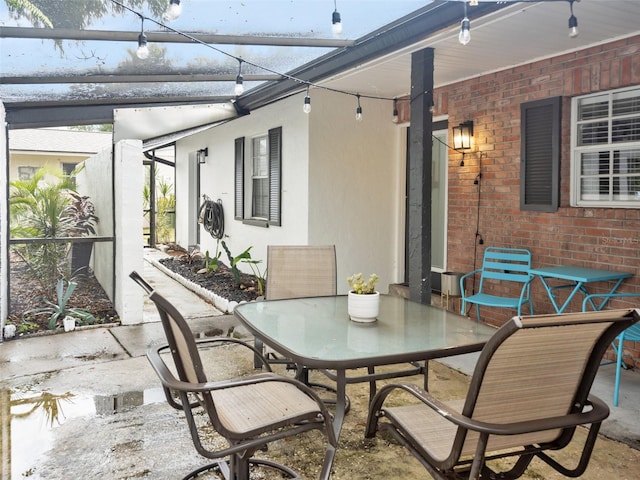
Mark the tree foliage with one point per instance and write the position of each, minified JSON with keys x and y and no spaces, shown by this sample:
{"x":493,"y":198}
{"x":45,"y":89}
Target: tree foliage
{"x":75,"y":14}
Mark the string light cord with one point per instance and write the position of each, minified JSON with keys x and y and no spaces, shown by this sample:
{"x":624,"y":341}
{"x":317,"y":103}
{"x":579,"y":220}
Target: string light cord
{"x":300,"y":81}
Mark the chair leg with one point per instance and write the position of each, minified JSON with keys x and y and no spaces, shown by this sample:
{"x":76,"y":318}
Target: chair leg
{"x":257,"y":363}
{"x":620,"y":354}
{"x":478,"y":311}
{"x":239,"y":469}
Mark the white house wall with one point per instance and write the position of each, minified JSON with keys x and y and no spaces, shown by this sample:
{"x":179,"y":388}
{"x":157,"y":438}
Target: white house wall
{"x":355,"y":192}
{"x":217,"y":179}
{"x":94,"y":180}
{"x":341,"y":182}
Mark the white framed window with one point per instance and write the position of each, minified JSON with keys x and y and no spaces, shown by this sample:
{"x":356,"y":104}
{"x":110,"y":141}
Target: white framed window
{"x":260,"y":177}
{"x":263,"y":172}
{"x":605,"y":149}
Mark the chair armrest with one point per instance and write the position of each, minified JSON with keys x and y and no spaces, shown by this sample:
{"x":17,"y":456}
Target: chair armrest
{"x":236,"y":341}
{"x":376,"y":404}
{"x":462,"y":292}
{"x":590,"y":297}
{"x":170,"y":382}
{"x":598,"y":412}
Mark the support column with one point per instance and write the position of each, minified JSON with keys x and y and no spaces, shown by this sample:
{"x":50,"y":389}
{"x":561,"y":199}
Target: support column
{"x":419,"y":182}
{"x":4,"y":223}
{"x":129,"y":251}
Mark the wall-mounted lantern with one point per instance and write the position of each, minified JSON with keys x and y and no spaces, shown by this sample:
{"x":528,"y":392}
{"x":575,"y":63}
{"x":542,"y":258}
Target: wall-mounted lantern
{"x":462,"y":136}
{"x":202,"y":155}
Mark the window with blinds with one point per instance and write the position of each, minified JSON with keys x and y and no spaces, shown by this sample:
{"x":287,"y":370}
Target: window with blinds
{"x":260,"y":177}
{"x":606,"y":149}
{"x":263,"y":169}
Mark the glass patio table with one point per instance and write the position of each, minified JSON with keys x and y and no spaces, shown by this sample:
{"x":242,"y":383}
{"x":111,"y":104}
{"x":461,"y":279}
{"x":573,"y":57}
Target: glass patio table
{"x":317,"y":333}
{"x":577,"y":278}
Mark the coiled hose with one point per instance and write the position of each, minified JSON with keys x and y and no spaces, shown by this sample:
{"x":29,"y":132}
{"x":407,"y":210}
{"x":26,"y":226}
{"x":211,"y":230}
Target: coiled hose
{"x":211,"y":216}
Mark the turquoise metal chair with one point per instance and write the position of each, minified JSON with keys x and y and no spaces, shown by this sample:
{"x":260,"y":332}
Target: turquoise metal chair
{"x":631,"y":334}
{"x":504,"y":265}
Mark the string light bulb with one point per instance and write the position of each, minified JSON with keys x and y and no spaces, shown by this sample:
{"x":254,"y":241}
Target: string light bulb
{"x":239,"y":88}
{"x":173,"y":11}
{"x":306,"y":108}
{"x":336,"y":21}
{"x":573,"y":22}
{"x":143,"y":49}
{"x":395,"y":111}
{"x":359,"y":110}
{"x":464,"y":37}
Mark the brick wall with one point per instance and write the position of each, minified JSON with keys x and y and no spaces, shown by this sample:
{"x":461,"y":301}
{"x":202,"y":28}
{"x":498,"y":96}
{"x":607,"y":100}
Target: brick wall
{"x":597,"y":237}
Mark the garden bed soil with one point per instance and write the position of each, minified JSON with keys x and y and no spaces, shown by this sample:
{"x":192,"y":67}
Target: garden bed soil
{"x":26,"y":293}
{"x":221,"y":281}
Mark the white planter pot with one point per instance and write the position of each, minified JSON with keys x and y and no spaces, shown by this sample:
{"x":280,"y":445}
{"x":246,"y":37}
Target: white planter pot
{"x":9,"y":331}
{"x":363,"y":308}
{"x":69,"y":323}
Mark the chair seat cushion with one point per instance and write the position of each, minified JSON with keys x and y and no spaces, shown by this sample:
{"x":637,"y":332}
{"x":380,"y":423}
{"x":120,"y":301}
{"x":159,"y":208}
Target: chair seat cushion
{"x":249,"y":409}
{"x":432,"y":432}
{"x":494,"y":300}
{"x":435,"y":433}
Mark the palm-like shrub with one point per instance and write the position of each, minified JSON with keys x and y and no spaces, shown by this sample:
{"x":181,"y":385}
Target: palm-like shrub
{"x":37,"y":208}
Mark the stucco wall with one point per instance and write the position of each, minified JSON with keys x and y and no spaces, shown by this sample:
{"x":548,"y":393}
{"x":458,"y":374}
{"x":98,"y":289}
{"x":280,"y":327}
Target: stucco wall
{"x":597,"y":237}
{"x":340,"y":182}
{"x":128,"y":247}
{"x":94,"y":180}
{"x":217,"y":179}
{"x":38,"y":160}
{"x":355,"y":196}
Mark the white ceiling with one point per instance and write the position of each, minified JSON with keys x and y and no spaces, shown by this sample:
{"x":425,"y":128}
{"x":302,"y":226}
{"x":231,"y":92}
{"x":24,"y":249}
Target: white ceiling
{"x":514,"y":35}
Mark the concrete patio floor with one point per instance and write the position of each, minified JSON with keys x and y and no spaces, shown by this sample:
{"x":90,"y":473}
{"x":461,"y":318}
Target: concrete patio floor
{"x":115,"y":424}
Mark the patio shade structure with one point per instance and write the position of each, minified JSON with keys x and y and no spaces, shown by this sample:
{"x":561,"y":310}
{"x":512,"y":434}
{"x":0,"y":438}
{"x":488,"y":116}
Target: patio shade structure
{"x":84,"y":67}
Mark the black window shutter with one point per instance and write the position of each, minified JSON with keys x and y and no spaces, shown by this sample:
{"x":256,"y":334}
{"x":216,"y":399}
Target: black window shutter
{"x":239,"y":179}
{"x":275,"y":172}
{"x":540,"y":155}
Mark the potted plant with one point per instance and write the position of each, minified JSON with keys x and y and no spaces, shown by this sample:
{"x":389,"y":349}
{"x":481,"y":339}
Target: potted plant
{"x":81,"y":221}
{"x":363,"y":303}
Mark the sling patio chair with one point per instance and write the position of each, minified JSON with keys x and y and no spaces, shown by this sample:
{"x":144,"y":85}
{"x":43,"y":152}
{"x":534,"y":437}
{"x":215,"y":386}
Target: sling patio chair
{"x":631,"y":334}
{"x":528,"y":393}
{"x":249,"y":412}
{"x":299,"y":271}
{"x":502,"y":268}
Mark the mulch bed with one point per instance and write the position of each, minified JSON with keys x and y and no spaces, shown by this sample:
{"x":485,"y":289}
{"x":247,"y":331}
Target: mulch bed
{"x":26,"y":293}
{"x":220,"y":281}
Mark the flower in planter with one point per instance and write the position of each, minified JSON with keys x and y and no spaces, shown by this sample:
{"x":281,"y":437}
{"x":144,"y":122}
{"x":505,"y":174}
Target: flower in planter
{"x":361,"y":286}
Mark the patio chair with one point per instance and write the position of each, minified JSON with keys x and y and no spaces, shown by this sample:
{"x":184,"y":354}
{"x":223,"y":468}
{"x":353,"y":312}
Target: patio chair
{"x":505,"y":266}
{"x":298,"y":271}
{"x":249,"y":412}
{"x":528,"y":393}
{"x":631,"y":334}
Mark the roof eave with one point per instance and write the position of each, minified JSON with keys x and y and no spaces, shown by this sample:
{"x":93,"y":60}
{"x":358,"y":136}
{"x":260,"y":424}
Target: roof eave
{"x":400,"y":34}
